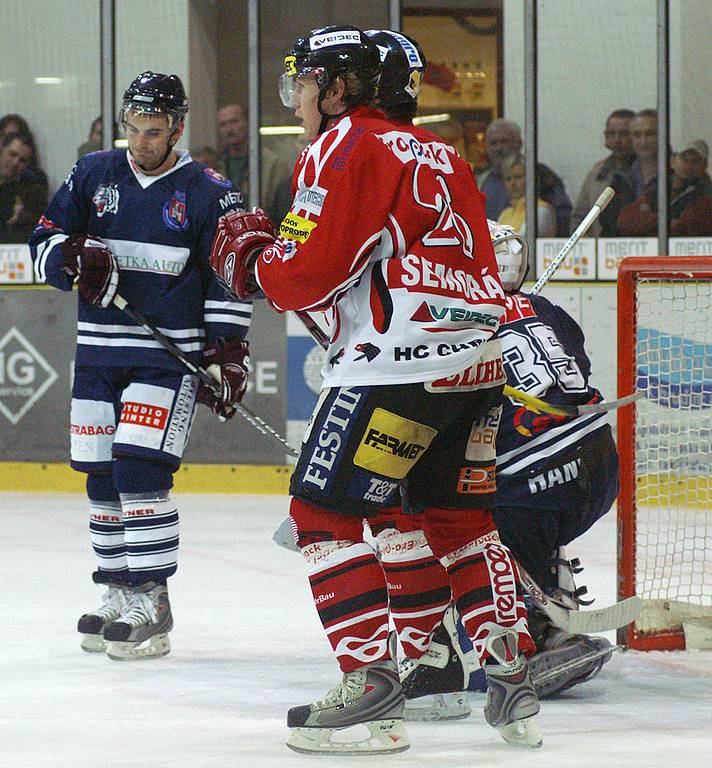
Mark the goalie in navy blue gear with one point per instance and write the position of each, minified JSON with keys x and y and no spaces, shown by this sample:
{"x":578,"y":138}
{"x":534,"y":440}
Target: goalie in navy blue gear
{"x":140,"y":222}
{"x":555,"y":477}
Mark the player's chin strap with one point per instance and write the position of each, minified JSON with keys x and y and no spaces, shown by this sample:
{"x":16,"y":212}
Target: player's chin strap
{"x":324,"y":117}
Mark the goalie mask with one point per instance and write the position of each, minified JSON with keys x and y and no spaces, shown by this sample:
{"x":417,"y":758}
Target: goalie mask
{"x":512,"y":253}
{"x":326,"y":54}
{"x":403,"y":67}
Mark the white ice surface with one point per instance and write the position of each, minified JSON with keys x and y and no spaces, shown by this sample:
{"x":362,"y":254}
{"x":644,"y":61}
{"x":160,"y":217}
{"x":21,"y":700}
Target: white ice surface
{"x":247,"y":645}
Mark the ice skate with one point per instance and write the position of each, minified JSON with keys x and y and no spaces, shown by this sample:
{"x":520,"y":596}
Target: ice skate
{"x":579,"y":657}
{"x":91,"y":625}
{"x":141,"y":631}
{"x":361,"y":715}
{"x":434,"y":685}
{"x":512,"y":703}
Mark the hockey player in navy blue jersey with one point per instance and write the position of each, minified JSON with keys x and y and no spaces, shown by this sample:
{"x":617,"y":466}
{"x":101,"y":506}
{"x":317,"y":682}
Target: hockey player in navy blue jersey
{"x":140,"y":222}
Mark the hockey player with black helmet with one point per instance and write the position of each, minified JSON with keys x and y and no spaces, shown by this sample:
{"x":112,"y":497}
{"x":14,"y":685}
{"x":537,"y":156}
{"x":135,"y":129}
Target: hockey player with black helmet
{"x":140,"y":222}
{"x":387,"y":236}
{"x":435,"y":670}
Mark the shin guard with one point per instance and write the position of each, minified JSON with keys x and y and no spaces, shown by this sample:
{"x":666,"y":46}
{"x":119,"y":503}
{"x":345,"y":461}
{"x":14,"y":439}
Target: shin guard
{"x":347,"y":582}
{"x":418,"y":588}
{"x":484,"y":581}
{"x":482,"y":575}
{"x":151,"y":531}
{"x":106,"y":529}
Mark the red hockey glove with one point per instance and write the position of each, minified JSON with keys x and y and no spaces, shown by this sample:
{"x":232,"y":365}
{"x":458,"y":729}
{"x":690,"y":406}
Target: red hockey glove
{"x":94,"y":266}
{"x":227,"y":360}
{"x":239,"y":239}
{"x":234,"y":222}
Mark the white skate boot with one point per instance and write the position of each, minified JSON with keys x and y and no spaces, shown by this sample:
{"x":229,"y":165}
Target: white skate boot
{"x":512,"y":703}
{"x":362,"y":715}
{"x":141,"y":631}
{"x":91,"y":625}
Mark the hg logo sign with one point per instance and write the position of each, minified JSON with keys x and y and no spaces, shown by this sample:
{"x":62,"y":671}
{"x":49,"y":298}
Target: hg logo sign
{"x":24,"y":375}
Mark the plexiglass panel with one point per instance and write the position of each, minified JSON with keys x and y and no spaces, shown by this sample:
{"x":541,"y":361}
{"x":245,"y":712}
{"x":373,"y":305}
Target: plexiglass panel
{"x":690,"y":200}
{"x":49,"y":78}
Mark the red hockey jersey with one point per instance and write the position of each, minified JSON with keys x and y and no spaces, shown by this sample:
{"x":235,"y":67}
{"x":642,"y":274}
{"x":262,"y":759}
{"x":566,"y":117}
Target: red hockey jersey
{"x":387,"y":234}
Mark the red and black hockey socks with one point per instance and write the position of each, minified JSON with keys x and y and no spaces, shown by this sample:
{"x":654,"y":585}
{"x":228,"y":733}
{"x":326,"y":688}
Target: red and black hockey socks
{"x":347,"y":582}
{"x":482,"y":576}
{"x":418,"y":587}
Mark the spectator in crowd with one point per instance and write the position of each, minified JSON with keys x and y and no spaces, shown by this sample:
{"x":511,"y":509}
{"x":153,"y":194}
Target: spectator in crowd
{"x":30,"y":202}
{"x":613,"y":171}
{"x":690,"y":203}
{"x":206,"y":154}
{"x":22,"y":200}
{"x":232,"y":128}
{"x":644,"y":135}
{"x":643,"y":171}
{"x":14,"y":123}
{"x":513,"y":170}
{"x":94,"y":143}
{"x":503,"y":138}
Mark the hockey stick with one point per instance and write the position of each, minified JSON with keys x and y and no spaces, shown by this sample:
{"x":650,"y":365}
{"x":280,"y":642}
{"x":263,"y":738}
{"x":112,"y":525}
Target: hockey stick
{"x":581,"y":622}
{"x":570,"y":410}
{"x":202,"y":374}
{"x":603,"y":199}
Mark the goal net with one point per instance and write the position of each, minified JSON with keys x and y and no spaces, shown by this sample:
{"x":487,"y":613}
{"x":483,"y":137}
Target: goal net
{"x":665,"y":446}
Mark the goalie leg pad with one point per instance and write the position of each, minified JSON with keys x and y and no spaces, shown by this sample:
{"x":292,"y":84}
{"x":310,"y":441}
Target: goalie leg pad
{"x":592,"y":652}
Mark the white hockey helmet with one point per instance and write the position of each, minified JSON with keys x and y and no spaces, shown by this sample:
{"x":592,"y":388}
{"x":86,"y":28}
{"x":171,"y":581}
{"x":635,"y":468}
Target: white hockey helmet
{"x":512,"y":253}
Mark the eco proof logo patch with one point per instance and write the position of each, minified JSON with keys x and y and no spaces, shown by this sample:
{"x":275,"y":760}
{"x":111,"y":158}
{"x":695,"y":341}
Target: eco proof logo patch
{"x":295,"y":227}
{"x":24,"y":375}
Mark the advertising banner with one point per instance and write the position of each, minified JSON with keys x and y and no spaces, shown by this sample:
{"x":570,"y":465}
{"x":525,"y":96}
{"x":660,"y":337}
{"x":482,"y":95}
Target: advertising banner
{"x":37,"y":344}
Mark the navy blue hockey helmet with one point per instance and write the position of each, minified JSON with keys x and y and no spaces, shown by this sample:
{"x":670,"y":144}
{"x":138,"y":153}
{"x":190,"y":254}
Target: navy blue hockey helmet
{"x":403,"y":66}
{"x":326,"y":53}
{"x":156,"y":93}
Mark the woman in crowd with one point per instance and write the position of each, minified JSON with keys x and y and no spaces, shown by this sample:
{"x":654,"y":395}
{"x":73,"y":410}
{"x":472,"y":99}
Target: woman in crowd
{"x":515,"y":215}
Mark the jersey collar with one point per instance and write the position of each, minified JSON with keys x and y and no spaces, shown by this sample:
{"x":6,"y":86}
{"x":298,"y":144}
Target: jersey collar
{"x":145,"y":181}
{"x":363,"y":111}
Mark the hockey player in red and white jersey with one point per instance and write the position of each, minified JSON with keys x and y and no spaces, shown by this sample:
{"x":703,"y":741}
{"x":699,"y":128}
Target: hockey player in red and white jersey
{"x":387,"y":234}
{"x":435,"y":670}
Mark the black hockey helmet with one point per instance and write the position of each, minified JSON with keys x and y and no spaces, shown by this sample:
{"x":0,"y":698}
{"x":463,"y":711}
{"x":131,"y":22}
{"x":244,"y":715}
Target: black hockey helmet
{"x":326,"y":53}
{"x":403,"y":66}
{"x":156,"y":93}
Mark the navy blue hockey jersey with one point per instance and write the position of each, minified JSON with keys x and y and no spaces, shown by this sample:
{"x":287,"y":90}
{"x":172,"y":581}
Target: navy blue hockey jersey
{"x":160,"y":228}
{"x":543,"y":353}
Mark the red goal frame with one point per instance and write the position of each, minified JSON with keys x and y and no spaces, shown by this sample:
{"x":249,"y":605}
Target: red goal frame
{"x":681,"y":268}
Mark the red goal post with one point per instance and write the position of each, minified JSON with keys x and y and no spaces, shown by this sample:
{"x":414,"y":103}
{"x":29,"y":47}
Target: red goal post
{"x":665,"y":447}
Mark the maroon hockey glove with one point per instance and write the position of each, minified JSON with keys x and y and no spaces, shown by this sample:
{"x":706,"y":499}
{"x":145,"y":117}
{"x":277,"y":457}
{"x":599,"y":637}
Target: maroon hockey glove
{"x":94,"y":266}
{"x":239,"y":239}
{"x":227,"y":360}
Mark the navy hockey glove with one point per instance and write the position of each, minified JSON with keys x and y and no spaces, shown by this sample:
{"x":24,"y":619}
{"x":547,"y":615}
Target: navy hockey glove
{"x":227,"y":360}
{"x":94,"y":266}
{"x":239,"y":239}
